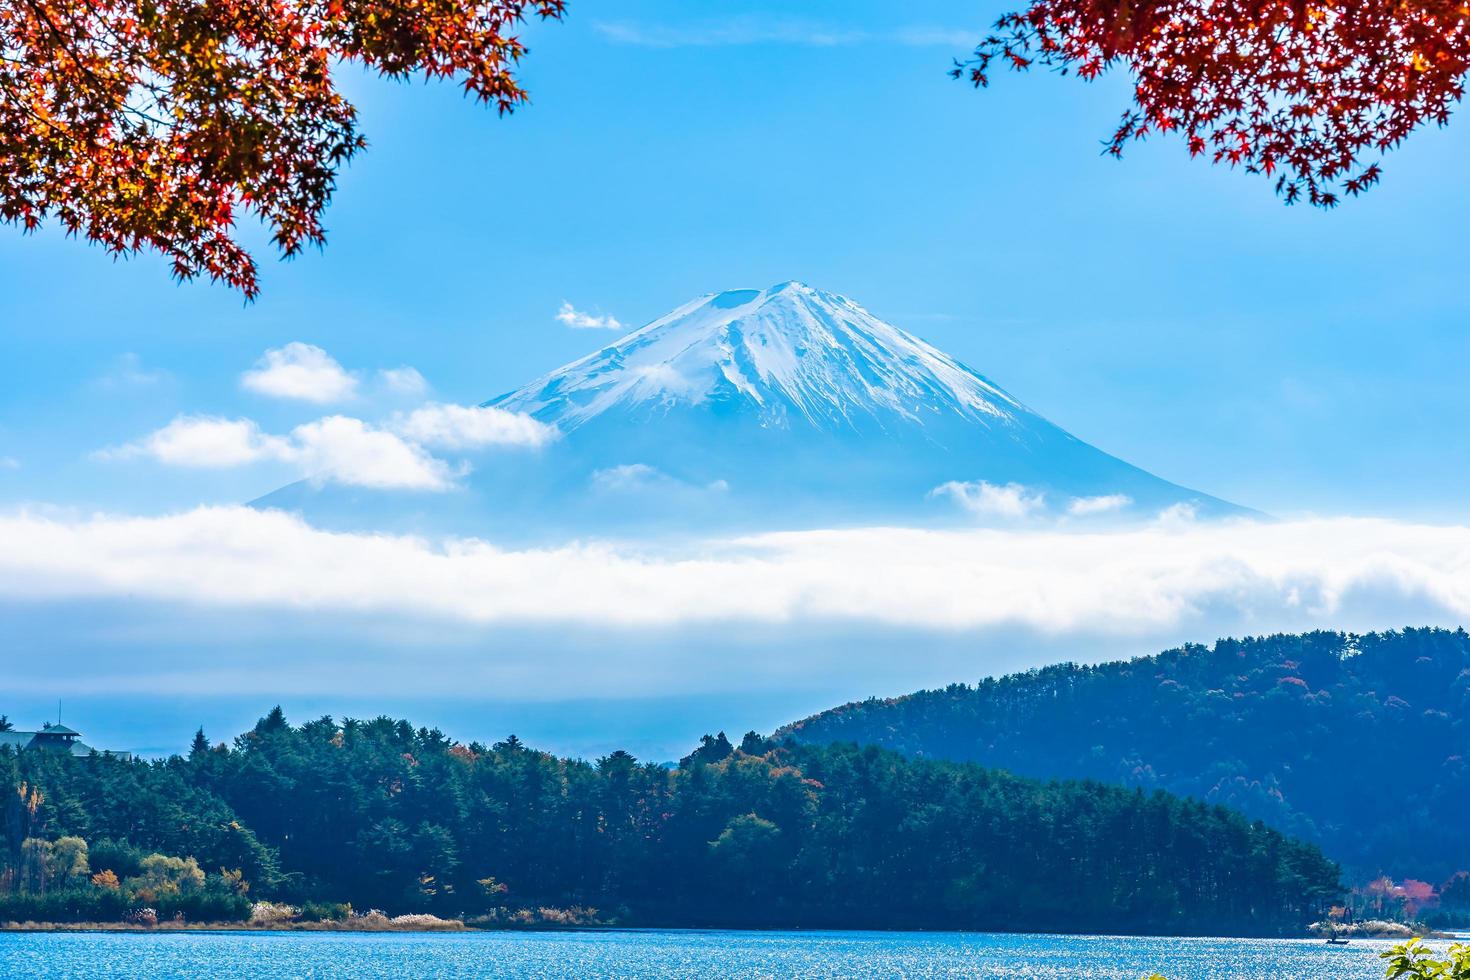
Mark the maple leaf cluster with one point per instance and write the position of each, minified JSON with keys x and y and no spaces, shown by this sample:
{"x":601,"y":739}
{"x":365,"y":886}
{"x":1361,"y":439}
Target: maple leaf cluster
{"x":1305,"y":91}
{"x":153,"y":124}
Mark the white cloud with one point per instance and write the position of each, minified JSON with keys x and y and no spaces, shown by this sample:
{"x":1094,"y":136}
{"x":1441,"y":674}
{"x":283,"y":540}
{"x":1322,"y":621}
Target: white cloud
{"x":662,"y":377}
{"x":989,"y":500}
{"x":472,"y":427}
{"x":301,"y":372}
{"x":205,"y":442}
{"x":642,"y":478}
{"x":1236,"y":576}
{"x":927,"y":37}
{"x":335,"y":449}
{"x":1178,"y":515}
{"x":766,"y":30}
{"x":9,"y":463}
{"x":128,"y":372}
{"x":404,"y":381}
{"x":345,"y":450}
{"x":628,"y":476}
{"x":1105,"y":504}
{"x":577,"y":320}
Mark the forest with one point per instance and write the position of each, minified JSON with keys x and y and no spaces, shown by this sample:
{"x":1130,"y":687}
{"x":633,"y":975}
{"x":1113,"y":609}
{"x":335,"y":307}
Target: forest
{"x":380,"y":814}
{"x":1360,"y":744}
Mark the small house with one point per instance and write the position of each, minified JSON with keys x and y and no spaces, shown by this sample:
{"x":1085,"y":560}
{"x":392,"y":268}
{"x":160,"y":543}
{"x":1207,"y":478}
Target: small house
{"x":55,"y":738}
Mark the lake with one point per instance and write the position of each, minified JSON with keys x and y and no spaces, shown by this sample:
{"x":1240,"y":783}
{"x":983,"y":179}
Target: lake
{"x":673,"y":954}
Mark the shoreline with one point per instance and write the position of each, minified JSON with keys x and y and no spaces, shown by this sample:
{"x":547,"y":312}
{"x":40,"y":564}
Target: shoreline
{"x":456,"y":927}
{"x":450,"y":926}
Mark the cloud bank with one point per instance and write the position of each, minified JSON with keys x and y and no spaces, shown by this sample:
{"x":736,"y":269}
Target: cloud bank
{"x":1251,"y":577}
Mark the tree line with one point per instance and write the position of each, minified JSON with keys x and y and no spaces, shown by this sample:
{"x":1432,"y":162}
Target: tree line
{"x":1281,"y":728}
{"x":380,"y":813}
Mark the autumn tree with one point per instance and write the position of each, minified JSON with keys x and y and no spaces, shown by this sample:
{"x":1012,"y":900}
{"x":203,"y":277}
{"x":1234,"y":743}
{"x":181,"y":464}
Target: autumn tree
{"x":160,"y":124}
{"x":1309,"y":92}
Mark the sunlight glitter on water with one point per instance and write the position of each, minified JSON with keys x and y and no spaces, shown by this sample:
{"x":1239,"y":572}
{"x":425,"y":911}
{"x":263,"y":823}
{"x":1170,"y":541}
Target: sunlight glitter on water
{"x":660,"y":955}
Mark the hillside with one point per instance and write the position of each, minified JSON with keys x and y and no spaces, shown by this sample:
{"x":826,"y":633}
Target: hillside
{"x":381,"y":814}
{"x":1358,"y":743}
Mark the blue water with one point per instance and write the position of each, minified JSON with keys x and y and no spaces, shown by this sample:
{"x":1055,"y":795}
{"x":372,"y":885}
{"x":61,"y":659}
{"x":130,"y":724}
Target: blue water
{"x":660,"y":955}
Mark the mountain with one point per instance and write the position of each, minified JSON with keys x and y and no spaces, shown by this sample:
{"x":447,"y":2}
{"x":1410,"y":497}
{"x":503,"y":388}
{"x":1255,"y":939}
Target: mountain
{"x":787,"y":406}
{"x":1360,"y":744}
{"x":789,"y":358}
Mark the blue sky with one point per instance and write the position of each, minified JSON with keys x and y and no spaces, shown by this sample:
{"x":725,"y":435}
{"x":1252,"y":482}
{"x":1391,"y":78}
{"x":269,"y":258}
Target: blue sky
{"x":1172,"y":313}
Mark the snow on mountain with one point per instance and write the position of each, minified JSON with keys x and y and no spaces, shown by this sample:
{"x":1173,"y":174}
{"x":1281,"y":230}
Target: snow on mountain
{"x":790,"y":354}
{"x":783,"y":407}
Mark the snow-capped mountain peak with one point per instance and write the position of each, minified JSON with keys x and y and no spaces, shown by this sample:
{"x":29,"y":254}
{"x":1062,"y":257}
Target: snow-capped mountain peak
{"x":779,"y":407}
{"x":789,"y":354}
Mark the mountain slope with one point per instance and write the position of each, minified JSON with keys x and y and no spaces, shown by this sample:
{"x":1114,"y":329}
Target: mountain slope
{"x":780,"y":407}
{"x":1358,"y":743}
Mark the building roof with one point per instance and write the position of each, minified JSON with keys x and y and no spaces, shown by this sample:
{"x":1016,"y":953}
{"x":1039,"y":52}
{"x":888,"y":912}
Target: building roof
{"x":54,"y":738}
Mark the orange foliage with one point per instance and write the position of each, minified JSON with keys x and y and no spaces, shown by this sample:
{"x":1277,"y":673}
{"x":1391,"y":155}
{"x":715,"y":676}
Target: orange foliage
{"x":152,"y":124}
{"x":1302,"y":90}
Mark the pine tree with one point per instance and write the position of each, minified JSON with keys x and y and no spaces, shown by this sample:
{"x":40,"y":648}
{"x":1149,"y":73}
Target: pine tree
{"x":275,"y":721}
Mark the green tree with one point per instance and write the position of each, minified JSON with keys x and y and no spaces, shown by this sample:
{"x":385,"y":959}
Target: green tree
{"x":379,"y":813}
{"x":162,"y":875}
{"x":34,"y":865}
{"x":1455,"y":893}
{"x":1415,"y":961}
{"x":68,"y":861}
{"x":199,"y":748}
{"x":712,"y":748}
{"x":1265,"y":725}
{"x":746,"y":846}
